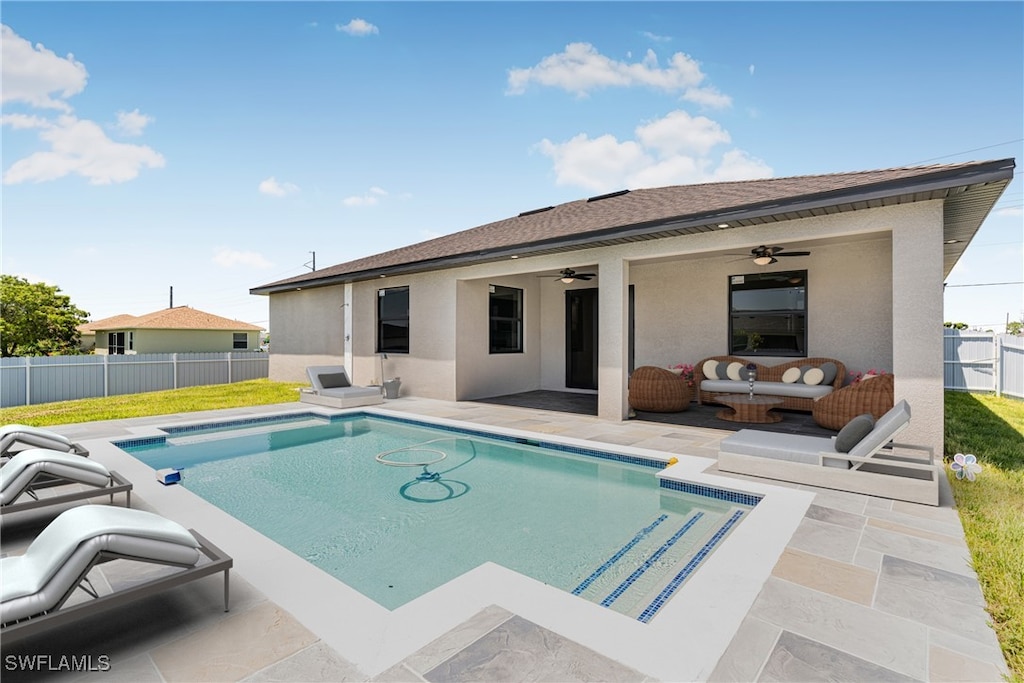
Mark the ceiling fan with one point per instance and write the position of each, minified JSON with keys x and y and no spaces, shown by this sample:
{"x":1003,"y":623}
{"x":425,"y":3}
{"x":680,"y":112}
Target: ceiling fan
{"x":569,"y":275}
{"x":765,"y":256}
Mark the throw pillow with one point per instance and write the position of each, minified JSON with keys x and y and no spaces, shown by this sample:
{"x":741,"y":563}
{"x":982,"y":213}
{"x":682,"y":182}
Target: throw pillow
{"x":790,"y":376}
{"x":334,"y":380}
{"x":733,"y":371}
{"x":831,"y":370}
{"x":744,"y":373}
{"x":803,"y":371}
{"x":867,"y":377}
{"x":710,"y":369}
{"x":814,"y":376}
{"x":854,"y":431}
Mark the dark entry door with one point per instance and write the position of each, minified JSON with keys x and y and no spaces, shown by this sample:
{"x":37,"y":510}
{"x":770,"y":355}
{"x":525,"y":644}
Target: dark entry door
{"x":581,"y":338}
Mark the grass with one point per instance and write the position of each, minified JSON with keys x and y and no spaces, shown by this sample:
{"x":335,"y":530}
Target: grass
{"x":238,"y":395}
{"x":991,"y":508}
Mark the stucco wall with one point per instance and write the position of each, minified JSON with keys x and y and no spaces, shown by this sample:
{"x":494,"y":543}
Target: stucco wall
{"x":307,"y":328}
{"x":181,"y":341}
{"x":481,"y":373}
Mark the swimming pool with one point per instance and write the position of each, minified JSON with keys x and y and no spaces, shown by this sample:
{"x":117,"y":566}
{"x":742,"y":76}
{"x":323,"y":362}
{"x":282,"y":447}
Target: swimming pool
{"x":597,"y":524}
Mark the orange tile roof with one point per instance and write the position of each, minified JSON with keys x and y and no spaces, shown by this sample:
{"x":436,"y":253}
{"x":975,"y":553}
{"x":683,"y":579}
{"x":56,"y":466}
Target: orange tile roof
{"x":177,"y":318}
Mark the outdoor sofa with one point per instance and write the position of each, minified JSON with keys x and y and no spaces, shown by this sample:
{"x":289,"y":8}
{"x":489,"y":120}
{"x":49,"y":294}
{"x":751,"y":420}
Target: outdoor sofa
{"x":798,"y":383}
{"x":861,"y":458}
{"x":37,"y":585}
{"x":331,"y":386}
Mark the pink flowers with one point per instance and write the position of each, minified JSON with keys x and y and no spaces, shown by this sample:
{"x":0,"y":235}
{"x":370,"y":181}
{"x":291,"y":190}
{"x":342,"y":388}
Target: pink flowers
{"x":858,"y":376}
{"x":685,"y":372}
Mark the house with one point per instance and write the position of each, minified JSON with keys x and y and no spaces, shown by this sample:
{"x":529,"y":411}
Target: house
{"x":572,"y":297}
{"x":180,"y":329}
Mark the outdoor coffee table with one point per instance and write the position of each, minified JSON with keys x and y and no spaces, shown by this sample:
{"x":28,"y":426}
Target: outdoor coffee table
{"x":745,"y":408}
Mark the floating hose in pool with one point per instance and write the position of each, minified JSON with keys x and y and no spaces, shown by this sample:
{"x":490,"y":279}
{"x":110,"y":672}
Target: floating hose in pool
{"x":435,"y":456}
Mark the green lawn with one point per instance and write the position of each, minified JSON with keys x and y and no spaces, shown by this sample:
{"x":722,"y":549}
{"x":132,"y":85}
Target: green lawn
{"x":991,"y":508}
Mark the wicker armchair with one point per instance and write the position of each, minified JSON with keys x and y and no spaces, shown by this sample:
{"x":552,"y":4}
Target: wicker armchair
{"x":873,"y":396}
{"x":658,"y":390}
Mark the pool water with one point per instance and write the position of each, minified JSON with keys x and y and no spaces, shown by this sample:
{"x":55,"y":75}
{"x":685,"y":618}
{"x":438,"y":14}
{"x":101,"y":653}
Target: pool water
{"x":602,"y":529}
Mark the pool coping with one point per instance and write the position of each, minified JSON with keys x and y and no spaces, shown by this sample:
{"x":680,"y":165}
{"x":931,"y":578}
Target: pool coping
{"x":683,"y":641}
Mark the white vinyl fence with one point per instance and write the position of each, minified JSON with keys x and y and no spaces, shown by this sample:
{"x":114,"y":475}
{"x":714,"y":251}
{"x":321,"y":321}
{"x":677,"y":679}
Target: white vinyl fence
{"x":44,"y":379}
{"x":984,"y":361}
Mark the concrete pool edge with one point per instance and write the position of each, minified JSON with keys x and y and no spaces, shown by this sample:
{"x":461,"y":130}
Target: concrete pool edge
{"x":683,"y":642}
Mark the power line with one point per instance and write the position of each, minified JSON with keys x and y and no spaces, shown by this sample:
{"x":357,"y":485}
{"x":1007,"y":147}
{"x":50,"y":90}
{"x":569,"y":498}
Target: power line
{"x":986,"y":284}
{"x":968,"y":151}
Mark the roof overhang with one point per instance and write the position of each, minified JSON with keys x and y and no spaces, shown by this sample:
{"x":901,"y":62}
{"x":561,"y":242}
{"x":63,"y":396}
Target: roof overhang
{"x":968,"y":196}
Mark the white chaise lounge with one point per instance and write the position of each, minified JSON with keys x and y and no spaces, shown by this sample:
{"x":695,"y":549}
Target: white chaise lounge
{"x":29,"y":471}
{"x":861,"y":458}
{"x":13,"y":435}
{"x":37,"y":585}
{"x":332,"y":387}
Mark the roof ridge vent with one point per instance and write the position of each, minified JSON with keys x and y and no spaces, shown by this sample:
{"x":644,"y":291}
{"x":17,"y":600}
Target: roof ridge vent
{"x":607,"y":196}
{"x":530,"y":213}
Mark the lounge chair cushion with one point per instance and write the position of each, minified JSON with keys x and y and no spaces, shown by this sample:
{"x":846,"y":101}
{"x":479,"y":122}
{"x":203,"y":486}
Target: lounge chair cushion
{"x":21,"y":469}
{"x":855,"y":430}
{"x":32,"y":436}
{"x":54,"y":562}
{"x":885,"y":429}
{"x":334,"y":380}
{"x":779,"y":446}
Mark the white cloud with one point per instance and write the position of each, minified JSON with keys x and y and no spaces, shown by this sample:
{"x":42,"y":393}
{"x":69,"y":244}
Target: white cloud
{"x":656,"y":38}
{"x":78,"y":147}
{"x":371,"y":198}
{"x":357,"y":27}
{"x":1010,"y":211}
{"x":580,"y":68}
{"x":229,"y":258}
{"x":676,"y":149}
{"x":751,"y":69}
{"x":132,"y":123}
{"x":272,"y":187}
{"x":34,"y":74}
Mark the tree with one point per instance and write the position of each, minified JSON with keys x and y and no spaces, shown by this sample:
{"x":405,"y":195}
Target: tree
{"x":1015,"y":327}
{"x":36,"y":319}
{"x":955,"y":326}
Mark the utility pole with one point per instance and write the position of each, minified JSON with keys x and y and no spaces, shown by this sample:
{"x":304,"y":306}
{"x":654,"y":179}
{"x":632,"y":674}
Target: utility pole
{"x":172,"y":298}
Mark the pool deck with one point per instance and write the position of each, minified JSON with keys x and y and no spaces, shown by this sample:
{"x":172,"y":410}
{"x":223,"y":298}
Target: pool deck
{"x":861,"y":588}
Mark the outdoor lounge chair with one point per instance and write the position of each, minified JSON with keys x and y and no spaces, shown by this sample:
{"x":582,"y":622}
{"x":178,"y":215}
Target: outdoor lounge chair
{"x":861,"y":458}
{"x":332,"y":387}
{"x":35,"y":586}
{"x":14,"y":434}
{"x":40,"y":468}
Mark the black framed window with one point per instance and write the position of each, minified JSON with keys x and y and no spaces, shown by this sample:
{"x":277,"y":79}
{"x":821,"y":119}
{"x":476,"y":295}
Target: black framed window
{"x":240,"y":340}
{"x":115,"y":343}
{"x":393,"y":320}
{"x":768,"y":314}
{"x":506,"y":319}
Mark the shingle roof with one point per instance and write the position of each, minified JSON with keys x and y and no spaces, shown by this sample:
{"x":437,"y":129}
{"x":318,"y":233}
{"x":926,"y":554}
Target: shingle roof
{"x":177,"y":318}
{"x":680,"y":209}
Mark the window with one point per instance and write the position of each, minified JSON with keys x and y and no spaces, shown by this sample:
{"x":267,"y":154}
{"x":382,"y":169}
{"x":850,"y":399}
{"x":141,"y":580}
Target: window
{"x":115,"y":343}
{"x":768,"y":314}
{"x":393,"y":320}
{"x":506,"y":319}
{"x":240,"y":340}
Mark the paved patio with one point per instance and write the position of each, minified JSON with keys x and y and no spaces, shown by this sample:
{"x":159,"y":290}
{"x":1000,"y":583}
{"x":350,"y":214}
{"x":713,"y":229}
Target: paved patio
{"x":865,"y":589}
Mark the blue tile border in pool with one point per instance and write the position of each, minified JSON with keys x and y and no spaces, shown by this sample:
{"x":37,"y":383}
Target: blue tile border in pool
{"x":643,"y":533}
{"x":677,"y":581}
{"x":140,"y":442}
{"x":575,"y":450}
{"x":712,"y":492}
{"x":649,"y":562}
{"x":242,"y":422}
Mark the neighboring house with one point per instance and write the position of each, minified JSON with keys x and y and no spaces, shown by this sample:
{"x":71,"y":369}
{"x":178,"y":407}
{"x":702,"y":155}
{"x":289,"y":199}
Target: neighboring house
{"x":87,"y":332}
{"x":486,"y":312}
{"x":172,"y":330}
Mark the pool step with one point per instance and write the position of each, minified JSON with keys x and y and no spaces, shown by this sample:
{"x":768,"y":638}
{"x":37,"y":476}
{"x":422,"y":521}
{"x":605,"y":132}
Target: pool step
{"x":639,"y":578}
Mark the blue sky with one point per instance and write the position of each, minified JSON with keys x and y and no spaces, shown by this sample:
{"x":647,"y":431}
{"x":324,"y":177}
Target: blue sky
{"x":210,"y":147}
